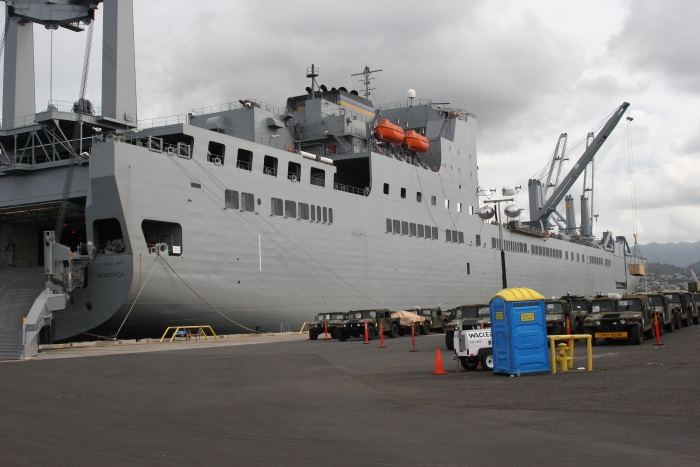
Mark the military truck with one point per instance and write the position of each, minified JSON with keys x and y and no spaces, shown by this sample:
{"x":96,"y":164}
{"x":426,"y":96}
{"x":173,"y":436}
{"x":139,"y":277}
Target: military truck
{"x":580,"y":308}
{"x":354,"y":324}
{"x":696,"y":299}
{"x":555,"y":313}
{"x":466,"y":317}
{"x":317,"y":327}
{"x":620,"y":317}
{"x":682,"y":304}
{"x":434,"y":320}
{"x":667,"y":319}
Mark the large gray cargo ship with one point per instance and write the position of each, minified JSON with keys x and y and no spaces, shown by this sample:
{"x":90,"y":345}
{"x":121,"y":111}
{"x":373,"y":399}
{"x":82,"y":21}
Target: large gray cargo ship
{"x":251,"y":215}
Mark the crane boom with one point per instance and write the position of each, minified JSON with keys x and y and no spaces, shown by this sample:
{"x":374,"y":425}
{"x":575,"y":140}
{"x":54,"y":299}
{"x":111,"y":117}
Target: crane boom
{"x":551,"y":204}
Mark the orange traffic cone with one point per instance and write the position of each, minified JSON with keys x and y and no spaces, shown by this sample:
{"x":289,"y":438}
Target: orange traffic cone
{"x":439,"y":370}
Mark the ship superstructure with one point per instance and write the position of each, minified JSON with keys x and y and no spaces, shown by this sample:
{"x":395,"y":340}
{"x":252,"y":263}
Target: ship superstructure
{"x":246,"y":215}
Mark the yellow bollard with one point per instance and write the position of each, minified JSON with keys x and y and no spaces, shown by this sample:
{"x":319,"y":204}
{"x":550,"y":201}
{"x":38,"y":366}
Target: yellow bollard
{"x":563,"y":357}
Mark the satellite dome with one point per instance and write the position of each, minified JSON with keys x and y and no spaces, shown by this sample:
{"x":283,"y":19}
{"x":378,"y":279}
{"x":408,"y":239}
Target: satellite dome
{"x":411,"y":93}
{"x":485,"y":212}
{"x":513,"y":210}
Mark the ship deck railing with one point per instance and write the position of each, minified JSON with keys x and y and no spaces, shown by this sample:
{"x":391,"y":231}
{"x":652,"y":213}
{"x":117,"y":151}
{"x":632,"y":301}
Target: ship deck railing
{"x":238,"y":105}
{"x":351,"y":189}
{"x":435,"y":105}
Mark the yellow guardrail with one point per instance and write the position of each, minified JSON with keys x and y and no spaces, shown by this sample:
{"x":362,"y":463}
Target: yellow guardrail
{"x":307,"y":323}
{"x":566,"y":352}
{"x":200,"y":332}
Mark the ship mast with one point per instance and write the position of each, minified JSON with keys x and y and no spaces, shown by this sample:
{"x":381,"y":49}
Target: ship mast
{"x":366,"y":81}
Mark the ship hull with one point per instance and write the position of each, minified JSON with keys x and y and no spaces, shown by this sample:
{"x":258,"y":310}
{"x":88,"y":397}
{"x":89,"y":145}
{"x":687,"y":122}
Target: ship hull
{"x":242,"y":270}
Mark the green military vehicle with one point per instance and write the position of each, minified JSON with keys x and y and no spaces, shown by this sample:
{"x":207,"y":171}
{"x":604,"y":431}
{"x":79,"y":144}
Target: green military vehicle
{"x":662,"y":309}
{"x":620,"y":317}
{"x":555,"y":313}
{"x":354,"y":324}
{"x":332,"y":320}
{"x":682,"y":304}
{"x":580,"y":309}
{"x":696,"y":299}
{"x":466,"y":317}
{"x":434,"y":320}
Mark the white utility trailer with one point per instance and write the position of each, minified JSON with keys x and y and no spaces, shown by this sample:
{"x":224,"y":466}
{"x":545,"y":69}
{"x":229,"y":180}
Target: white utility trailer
{"x":473,"y":347}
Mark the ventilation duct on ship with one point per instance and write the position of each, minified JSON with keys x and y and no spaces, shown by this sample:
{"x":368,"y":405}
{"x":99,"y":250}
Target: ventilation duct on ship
{"x":218,"y":123}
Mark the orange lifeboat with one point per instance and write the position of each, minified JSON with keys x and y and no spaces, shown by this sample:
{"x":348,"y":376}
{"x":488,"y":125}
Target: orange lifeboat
{"x":415,"y":142}
{"x":387,"y":131}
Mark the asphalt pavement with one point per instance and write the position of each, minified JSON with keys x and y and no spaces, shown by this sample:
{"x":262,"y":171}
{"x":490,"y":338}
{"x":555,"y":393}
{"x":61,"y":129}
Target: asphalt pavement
{"x":296,"y":403}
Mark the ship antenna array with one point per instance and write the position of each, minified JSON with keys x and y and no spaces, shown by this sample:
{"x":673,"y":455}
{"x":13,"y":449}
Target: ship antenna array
{"x":367,"y":80}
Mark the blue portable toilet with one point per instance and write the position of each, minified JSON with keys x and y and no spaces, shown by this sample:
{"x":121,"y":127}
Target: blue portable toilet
{"x":519,"y":332}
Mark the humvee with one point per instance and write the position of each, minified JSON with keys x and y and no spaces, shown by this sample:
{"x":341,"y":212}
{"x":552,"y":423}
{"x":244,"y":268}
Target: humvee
{"x":620,"y":317}
{"x":555,"y":313}
{"x":580,"y":308}
{"x":354,"y":324}
{"x":332,"y":319}
{"x":434,"y":320}
{"x":682,"y":304}
{"x":662,"y":309}
{"x":466,"y":317}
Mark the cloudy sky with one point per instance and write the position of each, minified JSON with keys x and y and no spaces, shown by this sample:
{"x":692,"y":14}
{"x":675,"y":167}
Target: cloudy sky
{"x":528,"y":70}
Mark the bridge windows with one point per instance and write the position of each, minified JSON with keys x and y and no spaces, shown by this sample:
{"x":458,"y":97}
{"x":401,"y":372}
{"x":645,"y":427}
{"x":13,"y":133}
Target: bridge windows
{"x":248,"y":202}
{"x":270,"y":166}
{"x":318,"y":177}
{"x":419,"y":197}
{"x":290,"y":209}
{"x":386,"y":188}
{"x":277,"y":207}
{"x":433,"y":200}
{"x":216,"y":152}
{"x":244,"y":160}
{"x":294,"y":172}
{"x":403,"y":193}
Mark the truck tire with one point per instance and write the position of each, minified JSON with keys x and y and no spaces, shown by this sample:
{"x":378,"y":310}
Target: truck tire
{"x":450,"y":340}
{"x":579,"y":327}
{"x":487,"y":360}
{"x":313,"y":336}
{"x":468,"y":365}
{"x":686,"y":322}
{"x":559,"y":331}
{"x":370,"y":332}
{"x":696,"y":319}
{"x":677,"y":321}
{"x":637,"y":335}
{"x":670,"y":326}
{"x":650,"y":333}
{"x":401,"y":331}
{"x":418,"y":329}
{"x":394,"y":332}
{"x":426,"y":328}
{"x":342,"y":337}
{"x":592,"y":333}
{"x":442,"y":328}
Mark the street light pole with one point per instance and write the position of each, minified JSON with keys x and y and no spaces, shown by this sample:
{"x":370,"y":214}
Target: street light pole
{"x":497,"y":202}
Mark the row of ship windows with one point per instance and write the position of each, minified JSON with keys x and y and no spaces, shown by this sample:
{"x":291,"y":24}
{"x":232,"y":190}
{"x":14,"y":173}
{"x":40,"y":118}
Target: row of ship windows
{"x":421,"y":231}
{"x":244,"y":161}
{"x":519,"y":247}
{"x":285,"y":208}
{"x":433,"y":199}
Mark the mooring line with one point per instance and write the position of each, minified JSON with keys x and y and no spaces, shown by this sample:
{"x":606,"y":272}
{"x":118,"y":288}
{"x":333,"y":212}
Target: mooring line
{"x":137,"y":296}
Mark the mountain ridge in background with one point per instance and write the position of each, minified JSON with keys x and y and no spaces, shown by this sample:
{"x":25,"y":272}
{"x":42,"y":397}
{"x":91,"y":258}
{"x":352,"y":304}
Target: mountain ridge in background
{"x":681,"y":254}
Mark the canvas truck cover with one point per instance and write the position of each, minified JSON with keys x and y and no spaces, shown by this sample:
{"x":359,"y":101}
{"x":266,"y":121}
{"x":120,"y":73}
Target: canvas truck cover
{"x":407,"y":318}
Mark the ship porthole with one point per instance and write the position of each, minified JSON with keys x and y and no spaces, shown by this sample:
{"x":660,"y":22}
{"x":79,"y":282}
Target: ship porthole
{"x":259,"y":202}
{"x":88,"y":306}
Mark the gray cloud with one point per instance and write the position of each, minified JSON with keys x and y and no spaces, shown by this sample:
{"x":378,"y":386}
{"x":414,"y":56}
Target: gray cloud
{"x":663,"y":38}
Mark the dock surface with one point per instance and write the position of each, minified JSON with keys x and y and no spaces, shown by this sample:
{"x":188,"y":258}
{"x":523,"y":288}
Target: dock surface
{"x":284,"y":400}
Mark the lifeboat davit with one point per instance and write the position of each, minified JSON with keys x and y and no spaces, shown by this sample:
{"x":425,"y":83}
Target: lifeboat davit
{"x":416,"y":142}
{"x":387,"y":131}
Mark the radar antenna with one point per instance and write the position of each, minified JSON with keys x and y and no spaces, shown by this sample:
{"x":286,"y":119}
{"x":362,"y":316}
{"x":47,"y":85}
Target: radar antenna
{"x":366,"y":74}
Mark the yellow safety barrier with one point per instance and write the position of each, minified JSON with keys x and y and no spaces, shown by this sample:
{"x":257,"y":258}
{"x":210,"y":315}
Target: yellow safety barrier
{"x":566,"y":352}
{"x":200,"y":332}
{"x":307,"y":323}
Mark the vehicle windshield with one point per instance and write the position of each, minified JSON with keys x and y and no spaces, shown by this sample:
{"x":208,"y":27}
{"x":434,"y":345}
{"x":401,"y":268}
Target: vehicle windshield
{"x":657,"y":301}
{"x":424,"y":312}
{"x":583,"y":304}
{"x":362,"y":314}
{"x":629,"y":305}
{"x":674,"y":298}
{"x":468,"y":312}
{"x":323,"y":317}
{"x":606,"y":305}
{"x":338,"y":316}
{"x":554,"y":308}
